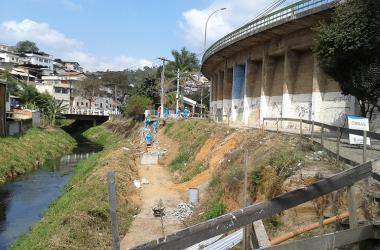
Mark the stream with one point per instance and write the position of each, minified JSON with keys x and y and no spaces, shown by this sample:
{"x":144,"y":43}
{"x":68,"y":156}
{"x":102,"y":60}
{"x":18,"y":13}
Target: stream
{"x":23,"y":200}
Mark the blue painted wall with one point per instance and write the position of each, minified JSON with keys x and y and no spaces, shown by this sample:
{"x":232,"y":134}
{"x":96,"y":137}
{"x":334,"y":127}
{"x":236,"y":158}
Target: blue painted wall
{"x":238,"y":84}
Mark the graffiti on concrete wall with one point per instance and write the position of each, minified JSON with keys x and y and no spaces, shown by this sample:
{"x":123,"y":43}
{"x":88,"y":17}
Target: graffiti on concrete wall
{"x":303,"y":110}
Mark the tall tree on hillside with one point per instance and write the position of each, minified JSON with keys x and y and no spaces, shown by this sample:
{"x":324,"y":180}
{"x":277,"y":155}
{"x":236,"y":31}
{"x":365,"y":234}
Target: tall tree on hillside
{"x":27,"y":46}
{"x":348,"y":49}
{"x":186,"y":62}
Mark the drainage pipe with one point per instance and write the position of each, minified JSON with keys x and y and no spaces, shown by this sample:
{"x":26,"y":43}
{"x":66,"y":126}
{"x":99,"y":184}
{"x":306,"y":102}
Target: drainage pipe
{"x":310,"y":227}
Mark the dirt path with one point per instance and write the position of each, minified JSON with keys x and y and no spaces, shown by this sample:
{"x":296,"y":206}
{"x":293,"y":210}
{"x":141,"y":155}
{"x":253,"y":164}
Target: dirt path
{"x":145,"y":227}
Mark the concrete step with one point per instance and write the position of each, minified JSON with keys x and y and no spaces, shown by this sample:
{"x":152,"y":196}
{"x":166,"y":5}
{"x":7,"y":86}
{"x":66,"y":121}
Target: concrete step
{"x":149,"y":158}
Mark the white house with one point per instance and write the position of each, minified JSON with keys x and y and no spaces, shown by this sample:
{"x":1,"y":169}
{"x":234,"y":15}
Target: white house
{"x":60,"y":86}
{"x":40,"y":58}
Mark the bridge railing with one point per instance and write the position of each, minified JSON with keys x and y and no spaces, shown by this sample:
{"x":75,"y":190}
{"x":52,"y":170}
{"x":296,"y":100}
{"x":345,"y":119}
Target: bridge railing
{"x":288,"y":13}
{"x":99,"y":112}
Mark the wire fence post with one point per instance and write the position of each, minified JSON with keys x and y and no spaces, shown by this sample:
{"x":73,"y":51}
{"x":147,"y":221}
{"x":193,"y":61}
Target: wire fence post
{"x":338,"y":145}
{"x":245,"y":228}
{"x":322,"y":129}
{"x":312,"y":130}
{"x":301,"y":127}
{"x":364,"y":146}
{"x":277,"y":123}
{"x":113,"y":210}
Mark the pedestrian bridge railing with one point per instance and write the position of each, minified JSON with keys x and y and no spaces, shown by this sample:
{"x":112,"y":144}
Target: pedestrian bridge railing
{"x":285,"y":14}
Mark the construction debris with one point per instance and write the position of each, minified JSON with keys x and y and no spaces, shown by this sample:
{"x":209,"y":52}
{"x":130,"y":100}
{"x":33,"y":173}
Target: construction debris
{"x":181,"y":212}
{"x":137,"y":184}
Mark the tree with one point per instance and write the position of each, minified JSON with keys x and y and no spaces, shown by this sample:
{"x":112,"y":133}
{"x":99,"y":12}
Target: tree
{"x":26,"y":46}
{"x":348,"y":49}
{"x":136,"y":106}
{"x":184,"y":61}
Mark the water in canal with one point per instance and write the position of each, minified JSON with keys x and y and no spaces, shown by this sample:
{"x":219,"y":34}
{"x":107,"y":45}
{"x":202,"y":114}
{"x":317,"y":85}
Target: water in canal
{"x":23,"y":201}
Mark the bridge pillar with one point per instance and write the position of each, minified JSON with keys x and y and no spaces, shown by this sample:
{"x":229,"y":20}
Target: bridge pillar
{"x":290,"y":72}
{"x":249,"y":85}
{"x":238,"y":92}
{"x":94,"y":123}
{"x":318,"y":82}
{"x":267,"y":74}
{"x":227,"y":93}
{"x":220,"y":96}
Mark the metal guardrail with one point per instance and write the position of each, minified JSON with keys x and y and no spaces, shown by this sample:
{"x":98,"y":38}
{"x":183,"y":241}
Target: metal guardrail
{"x":288,"y":13}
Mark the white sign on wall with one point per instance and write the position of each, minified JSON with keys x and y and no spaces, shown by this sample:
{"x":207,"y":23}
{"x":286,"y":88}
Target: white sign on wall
{"x":359,"y":123}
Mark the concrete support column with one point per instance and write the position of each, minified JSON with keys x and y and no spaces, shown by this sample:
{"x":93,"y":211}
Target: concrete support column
{"x":219,"y":102}
{"x":248,"y":93}
{"x":290,"y":71}
{"x":319,"y":81}
{"x":227,"y":93}
{"x":267,"y":74}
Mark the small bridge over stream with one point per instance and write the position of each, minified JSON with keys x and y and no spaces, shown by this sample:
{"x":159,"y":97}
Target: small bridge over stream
{"x":95,"y":115}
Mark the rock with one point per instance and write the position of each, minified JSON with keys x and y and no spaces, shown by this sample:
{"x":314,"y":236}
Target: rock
{"x":125,"y":148}
{"x":144,"y":181}
{"x":137,"y":184}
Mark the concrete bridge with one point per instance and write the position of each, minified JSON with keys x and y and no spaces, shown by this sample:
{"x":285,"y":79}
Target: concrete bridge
{"x":95,"y":115}
{"x":267,"y":69}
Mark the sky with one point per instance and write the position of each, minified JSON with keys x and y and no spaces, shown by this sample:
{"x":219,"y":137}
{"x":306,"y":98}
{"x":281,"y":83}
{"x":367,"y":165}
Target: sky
{"x":120,"y":34}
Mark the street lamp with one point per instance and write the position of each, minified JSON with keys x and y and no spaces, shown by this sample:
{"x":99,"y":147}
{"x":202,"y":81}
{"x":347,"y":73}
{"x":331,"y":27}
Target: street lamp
{"x":204,"y":42}
{"x":204,"y":51}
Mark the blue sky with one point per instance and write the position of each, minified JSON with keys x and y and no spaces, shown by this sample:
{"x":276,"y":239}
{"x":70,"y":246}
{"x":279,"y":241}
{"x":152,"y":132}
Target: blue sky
{"x":119,"y":34}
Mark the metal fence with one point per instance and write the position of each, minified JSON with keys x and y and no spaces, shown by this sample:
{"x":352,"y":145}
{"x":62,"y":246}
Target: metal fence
{"x":288,"y":13}
{"x":332,"y":138}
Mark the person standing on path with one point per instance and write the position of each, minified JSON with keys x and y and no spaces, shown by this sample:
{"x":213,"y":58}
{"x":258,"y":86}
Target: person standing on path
{"x":149,"y":139}
{"x":178,"y":113}
{"x":155,"y":127}
{"x":159,"y":111}
{"x":186,"y":113}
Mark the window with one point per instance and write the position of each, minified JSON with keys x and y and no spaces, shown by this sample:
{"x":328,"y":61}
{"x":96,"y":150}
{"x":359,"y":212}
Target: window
{"x":81,"y":103}
{"x":101,"y":105}
{"x":77,"y":103}
{"x":46,"y":61}
{"x":65,"y":90}
{"x":57,"y":90}
{"x":86,"y":104}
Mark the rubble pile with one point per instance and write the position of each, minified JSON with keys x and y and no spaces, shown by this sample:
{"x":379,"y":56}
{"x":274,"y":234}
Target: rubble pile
{"x":181,"y":212}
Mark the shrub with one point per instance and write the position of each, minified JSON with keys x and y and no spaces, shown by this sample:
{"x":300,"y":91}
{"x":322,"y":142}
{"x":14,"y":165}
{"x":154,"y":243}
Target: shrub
{"x":214,"y":209}
{"x":136,"y":105}
{"x":285,"y":162}
{"x":233,"y":177}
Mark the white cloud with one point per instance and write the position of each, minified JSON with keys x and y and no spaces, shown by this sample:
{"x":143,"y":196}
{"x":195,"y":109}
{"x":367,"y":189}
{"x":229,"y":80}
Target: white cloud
{"x":238,"y":13}
{"x":61,"y":46}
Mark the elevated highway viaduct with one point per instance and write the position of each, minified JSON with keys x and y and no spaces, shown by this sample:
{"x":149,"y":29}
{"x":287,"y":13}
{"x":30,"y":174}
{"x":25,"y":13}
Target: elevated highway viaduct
{"x":267,"y":69}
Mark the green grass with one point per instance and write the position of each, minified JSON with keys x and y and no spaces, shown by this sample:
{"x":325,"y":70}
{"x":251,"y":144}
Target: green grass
{"x":286,"y":162}
{"x":191,"y":135}
{"x":79,"y":218}
{"x":20,"y":154}
{"x":214,"y":208}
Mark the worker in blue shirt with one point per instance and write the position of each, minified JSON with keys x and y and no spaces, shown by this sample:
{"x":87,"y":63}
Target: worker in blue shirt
{"x":149,"y":139}
{"x":155,"y":126}
{"x":186,"y":113}
{"x":178,"y":113}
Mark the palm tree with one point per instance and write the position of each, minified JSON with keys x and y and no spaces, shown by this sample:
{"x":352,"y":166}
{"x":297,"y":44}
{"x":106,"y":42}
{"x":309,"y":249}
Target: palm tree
{"x":186,"y":63}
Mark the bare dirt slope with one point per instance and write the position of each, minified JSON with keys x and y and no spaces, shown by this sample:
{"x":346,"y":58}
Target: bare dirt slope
{"x":145,"y":226}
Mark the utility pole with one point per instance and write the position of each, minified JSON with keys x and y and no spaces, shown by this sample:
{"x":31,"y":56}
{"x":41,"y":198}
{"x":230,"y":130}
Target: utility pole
{"x":177,"y":96}
{"x":162,"y":84}
{"x":202,"y":101}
